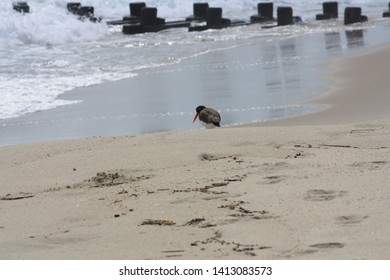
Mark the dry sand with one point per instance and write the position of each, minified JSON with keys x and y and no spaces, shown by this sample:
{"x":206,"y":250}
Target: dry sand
{"x":314,"y":187}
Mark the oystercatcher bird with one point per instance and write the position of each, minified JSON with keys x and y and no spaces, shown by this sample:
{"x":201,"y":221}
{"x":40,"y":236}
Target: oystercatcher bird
{"x":208,"y":117}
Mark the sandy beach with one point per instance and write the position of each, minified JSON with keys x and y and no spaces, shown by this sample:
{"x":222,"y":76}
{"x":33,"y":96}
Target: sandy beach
{"x":312,"y":187}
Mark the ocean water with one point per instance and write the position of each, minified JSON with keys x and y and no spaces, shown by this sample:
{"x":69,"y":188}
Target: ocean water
{"x":49,"y":52}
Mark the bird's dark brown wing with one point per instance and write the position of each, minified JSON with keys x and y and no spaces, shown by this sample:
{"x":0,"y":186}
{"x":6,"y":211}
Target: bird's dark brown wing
{"x":209,"y":115}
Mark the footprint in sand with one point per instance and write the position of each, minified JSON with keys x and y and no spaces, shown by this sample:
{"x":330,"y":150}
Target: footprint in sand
{"x":330,"y":245}
{"x":370,"y":165}
{"x":323,"y":195}
{"x":312,"y":249}
{"x":350,"y":219}
{"x":273,"y":179}
{"x":173,"y":253}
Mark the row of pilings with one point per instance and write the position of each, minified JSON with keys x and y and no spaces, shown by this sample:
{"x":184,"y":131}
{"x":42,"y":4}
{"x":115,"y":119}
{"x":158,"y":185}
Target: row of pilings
{"x":144,"y":19}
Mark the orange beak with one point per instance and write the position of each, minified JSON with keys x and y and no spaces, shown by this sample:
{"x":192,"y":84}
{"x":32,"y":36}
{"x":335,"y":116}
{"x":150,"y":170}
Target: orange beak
{"x":195,"y":117}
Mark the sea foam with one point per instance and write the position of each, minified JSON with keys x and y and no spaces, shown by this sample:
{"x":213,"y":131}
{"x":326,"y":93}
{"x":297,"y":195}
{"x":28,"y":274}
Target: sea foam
{"x":50,"y":51}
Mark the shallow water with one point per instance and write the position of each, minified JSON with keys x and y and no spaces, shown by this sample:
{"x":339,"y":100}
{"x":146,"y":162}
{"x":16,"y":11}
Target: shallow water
{"x":247,"y":73}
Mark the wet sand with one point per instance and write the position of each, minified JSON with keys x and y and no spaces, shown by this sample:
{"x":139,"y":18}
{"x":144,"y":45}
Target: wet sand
{"x":313,"y":187}
{"x":358,"y":91}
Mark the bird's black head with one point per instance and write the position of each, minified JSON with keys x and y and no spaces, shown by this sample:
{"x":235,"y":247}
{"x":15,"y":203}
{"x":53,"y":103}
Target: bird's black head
{"x":200,"y":108}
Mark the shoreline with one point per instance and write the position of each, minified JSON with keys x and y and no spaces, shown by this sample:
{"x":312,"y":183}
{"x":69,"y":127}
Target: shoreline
{"x":229,"y":83}
{"x":361,"y":95}
{"x":313,"y":187}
